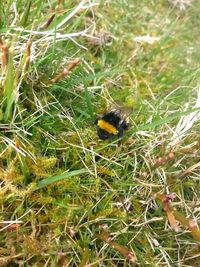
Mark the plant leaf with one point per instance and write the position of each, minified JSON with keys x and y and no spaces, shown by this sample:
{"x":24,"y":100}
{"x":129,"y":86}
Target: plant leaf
{"x":54,"y":179}
{"x":9,"y":88}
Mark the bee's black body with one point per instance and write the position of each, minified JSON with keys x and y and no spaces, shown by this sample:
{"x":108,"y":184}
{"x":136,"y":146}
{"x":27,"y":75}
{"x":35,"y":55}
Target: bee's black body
{"x":112,"y":124}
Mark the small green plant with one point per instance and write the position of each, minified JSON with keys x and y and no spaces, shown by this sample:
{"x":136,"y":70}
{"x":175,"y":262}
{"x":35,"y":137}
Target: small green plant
{"x":12,"y":77}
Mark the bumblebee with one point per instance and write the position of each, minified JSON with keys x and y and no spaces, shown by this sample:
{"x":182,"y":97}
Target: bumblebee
{"x":113,"y":122}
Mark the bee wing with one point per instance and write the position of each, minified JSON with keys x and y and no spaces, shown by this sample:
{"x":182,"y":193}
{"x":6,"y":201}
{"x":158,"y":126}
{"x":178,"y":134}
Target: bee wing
{"x":119,"y":108}
{"x":126,"y":112}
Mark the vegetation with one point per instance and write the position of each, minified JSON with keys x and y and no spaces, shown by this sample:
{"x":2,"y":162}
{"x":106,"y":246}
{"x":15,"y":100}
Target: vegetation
{"x":68,"y":198}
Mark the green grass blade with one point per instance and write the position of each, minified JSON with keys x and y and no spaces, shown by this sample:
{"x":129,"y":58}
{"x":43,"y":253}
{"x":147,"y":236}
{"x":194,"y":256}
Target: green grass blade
{"x":54,"y":179}
{"x":9,"y":88}
{"x":24,"y":168}
{"x":165,"y":120}
{"x":2,"y":17}
{"x":89,"y":102}
{"x":26,"y":13}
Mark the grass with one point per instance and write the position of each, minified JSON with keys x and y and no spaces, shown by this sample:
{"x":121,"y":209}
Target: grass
{"x":68,"y":198}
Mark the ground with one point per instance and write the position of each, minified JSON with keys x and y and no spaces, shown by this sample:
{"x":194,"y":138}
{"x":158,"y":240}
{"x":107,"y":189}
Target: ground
{"x":67,"y":197}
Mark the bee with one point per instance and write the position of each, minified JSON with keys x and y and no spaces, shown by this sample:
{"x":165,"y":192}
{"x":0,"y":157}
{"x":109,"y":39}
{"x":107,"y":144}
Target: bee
{"x":113,"y":122}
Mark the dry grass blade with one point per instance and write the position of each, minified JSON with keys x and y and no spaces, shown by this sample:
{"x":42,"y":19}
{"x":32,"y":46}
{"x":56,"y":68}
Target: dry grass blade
{"x":181,"y":4}
{"x":5,"y":50}
{"x":190,"y":169}
{"x":28,"y":54}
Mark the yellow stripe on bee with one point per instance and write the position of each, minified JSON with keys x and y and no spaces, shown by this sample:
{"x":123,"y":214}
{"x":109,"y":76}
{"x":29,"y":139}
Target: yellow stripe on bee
{"x":107,"y":127}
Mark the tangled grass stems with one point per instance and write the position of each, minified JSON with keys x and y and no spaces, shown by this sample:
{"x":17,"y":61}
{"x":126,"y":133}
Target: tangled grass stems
{"x":138,"y":52}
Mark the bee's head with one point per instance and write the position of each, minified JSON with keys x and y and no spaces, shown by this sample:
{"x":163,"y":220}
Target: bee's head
{"x":102,"y":134}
